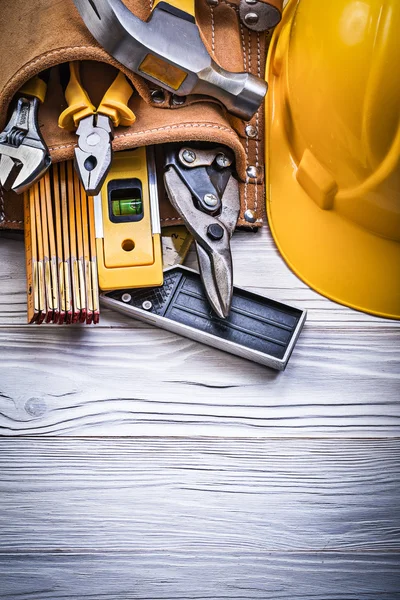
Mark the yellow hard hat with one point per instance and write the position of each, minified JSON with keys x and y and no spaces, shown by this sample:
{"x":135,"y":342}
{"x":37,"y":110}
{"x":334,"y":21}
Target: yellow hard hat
{"x":333,"y":149}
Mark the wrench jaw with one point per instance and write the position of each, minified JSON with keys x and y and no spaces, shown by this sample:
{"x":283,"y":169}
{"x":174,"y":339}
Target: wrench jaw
{"x":33,"y":168}
{"x":19,"y":170}
{"x":93,"y":155}
{"x":24,"y":156}
{"x":8,"y":171}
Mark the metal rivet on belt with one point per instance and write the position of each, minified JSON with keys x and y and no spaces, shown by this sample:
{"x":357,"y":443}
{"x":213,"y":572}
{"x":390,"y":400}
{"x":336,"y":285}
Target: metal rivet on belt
{"x":251,"y":18}
{"x":178,"y":100}
{"x":250,"y":216}
{"x":258,"y":16}
{"x":158,"y":96}
{"x":251,"y":131}
{"x":252,"y":172}
{"x":126,"y":298}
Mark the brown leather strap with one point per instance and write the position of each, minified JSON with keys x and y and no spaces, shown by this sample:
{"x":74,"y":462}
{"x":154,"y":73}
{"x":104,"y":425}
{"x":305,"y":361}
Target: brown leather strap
{"x":276,"y":3}
{"x":233,"y":46}
{"x":260,"y":15}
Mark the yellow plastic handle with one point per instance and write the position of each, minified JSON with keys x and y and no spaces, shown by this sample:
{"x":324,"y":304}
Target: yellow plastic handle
{"x":35,"y":87}
{"x":79,"y":104}
{"x":115,"y":102}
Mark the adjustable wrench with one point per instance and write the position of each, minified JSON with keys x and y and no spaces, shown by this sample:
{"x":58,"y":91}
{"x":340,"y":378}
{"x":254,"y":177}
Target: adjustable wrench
{"x":24,"y":156}
{"x":168,"y":51}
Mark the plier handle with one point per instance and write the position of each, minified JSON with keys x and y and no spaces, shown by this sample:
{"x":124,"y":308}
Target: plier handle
{"x":94,"y":126}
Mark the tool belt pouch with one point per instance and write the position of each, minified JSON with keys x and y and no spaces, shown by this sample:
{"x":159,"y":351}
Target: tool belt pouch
{"x":39,"y":34}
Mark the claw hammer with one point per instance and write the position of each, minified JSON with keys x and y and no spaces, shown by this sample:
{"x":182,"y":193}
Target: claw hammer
{"x":168,"y":51}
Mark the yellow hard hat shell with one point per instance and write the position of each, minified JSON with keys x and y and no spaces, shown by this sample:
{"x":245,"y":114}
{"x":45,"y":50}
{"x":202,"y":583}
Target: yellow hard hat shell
{"x":333,"y":149}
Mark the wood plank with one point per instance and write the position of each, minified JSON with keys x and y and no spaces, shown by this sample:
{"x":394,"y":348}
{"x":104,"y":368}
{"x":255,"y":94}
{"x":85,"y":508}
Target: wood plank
{"x":145,"y":381}
{"x":257,"y":266}
{"x":242,"y":575}
{"x":202,"y":496}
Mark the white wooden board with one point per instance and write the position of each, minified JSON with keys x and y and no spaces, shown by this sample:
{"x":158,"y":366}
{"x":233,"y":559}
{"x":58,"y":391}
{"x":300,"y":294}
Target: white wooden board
{"x":199,"y":519}
{"x":198,"y":576}
{"x":125,"y":378}
{"x":279,"y":503}
{"x":199,"y":495}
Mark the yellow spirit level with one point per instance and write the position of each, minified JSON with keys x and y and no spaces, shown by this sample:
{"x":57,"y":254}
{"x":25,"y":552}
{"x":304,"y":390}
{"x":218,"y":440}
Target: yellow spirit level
{"x":127,"y":223}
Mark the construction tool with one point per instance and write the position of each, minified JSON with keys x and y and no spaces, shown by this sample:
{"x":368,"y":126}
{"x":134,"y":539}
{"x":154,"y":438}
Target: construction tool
{"x":59,"y":242}
{"x":169,"y":52}
{"x":43,"y":314}
{"x":68,"y":306}
{"x":24,"y":156}
{"x":76,"y":299}
{"x":80,"y":253}
{"x":94,"y":313}
{"x":128,"y":223}
{"x":201,"y":187}
{"x":31,"y":257}
{"x":46,"y":252}
{"x":94,"y":127}
{"x":176,"y":242}
{"x":257,"y":328}
{"x":60,"y":250}
{"x":53,"y":263}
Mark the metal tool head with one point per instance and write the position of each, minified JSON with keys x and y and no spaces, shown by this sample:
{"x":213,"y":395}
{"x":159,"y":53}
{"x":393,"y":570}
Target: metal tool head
{"x":169,"y":52}
{"x":24,"y":156}
{"x":18,"y":171}
{"x":93,"y":155}
{"x":212,"y":233}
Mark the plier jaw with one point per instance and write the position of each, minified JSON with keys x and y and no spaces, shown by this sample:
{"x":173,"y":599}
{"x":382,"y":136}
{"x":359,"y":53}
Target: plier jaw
{"x":93,"y":154}
{"x":210,"y":216}
{"x":94,"y":126}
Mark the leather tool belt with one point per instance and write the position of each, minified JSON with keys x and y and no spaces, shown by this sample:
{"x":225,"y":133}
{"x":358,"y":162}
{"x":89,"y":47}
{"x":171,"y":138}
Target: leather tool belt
{"x":40,"y":34}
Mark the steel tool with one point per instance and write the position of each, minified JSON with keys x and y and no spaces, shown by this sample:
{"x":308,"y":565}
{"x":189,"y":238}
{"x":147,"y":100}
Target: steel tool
{"x":201,"y":187}
{"x":24,"y":156}
{"x":258,"y":328}
{"x":168,"y":51}
{"x":94,"y":127}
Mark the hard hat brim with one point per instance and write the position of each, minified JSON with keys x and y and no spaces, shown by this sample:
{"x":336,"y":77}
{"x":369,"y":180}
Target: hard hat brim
{"x":331,"y":254}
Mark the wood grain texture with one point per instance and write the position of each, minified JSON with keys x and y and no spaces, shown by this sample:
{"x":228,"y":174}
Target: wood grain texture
{"x":222,"y":518}
{"x":145,"y":381}
{"x":199,"y":495}
{"x":197,"y":576}
{"x":258,"y":266}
